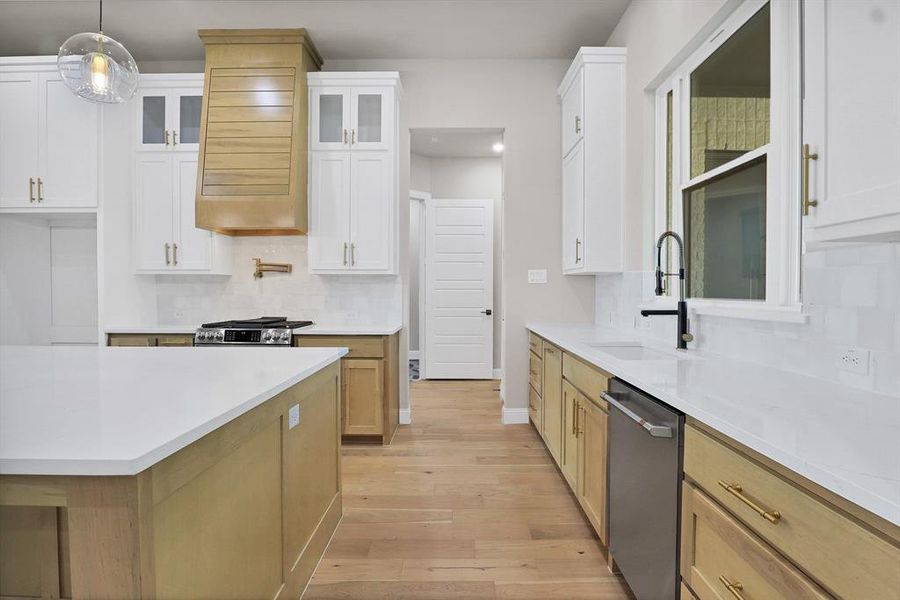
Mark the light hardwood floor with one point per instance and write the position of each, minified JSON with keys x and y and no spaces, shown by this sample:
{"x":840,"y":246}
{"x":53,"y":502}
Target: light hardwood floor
{"x":460,"y":507}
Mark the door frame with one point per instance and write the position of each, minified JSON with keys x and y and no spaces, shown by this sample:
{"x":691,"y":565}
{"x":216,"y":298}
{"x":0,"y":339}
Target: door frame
{"x":429,"y":206}
{"x":423,"y":198}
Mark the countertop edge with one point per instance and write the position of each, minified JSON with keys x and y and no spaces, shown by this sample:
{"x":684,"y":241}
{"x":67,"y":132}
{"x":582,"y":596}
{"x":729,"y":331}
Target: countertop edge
{"x":326,"y":329}
{"x":133,"y":466}
{"x":874,"y":503}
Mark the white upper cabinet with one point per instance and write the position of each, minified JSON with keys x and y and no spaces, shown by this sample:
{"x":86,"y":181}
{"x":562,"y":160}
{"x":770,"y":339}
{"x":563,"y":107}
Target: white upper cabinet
{"x":354,"y":172}
{"x":344,"y":117}
{"x":49,"y":144}
{"x":168,"y":112}
{"x":851,"y":120}
{"x":166,"y":240}
{"x":592,"y":99}
{"x":573,"y":112}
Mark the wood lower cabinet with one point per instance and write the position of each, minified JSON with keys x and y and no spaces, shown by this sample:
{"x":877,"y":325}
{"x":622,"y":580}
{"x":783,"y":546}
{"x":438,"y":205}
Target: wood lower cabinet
{"x":370,"y":388}
{"x":593,"y":454}
{"x":362,"y":381}
{"x":567,"y":410}
{"x":571,"y":406}
{"x":551,"y":393}
{"x":722,"y":560}
{"x":146,"y":339}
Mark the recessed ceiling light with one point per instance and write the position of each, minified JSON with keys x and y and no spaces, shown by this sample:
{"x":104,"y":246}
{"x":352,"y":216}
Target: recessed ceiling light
{"x":498,"y":147}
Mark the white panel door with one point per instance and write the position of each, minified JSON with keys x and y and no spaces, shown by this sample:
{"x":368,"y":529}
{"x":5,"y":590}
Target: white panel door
{"x":153,"y":203}
{"x":459,"y":274}
{"x":193,"y":244}
{"x":19,"y":108}
{"x":372,"y":111}
{"x":329,"y":211}
{"x":329,"y":118}
{"x":68,"y":147}
{"x":573,"y":209}
{"x":371,"y":211}
{"x":851,"y":116}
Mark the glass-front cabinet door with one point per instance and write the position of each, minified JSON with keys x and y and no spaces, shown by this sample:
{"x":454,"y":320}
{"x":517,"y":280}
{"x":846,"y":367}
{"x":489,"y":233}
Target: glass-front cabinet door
{"x":169,"y":118}
{"x":152,"y":120}
{"x":330,"y":127}
{"x":372,"y":113}
{"x":186,"y":105}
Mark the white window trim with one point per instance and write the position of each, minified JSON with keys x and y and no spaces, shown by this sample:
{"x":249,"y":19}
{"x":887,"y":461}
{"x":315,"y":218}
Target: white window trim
{"x":783,"y":224}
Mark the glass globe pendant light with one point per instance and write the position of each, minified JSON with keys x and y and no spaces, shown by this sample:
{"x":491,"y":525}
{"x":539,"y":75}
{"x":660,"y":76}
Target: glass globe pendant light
{"x":97,"y":67}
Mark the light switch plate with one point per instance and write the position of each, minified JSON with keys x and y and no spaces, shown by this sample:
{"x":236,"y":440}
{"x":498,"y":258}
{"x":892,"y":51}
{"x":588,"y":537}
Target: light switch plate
{"x":537,"y":275}
{"x":293,"y":416}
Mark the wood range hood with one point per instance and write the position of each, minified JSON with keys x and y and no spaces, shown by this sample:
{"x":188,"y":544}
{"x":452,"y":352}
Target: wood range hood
{"x":252,"y":167}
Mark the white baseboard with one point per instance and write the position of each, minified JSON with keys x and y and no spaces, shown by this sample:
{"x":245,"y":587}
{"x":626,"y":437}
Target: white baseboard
{"x":406,"y":416}
{"x":414,"y":354}
{"x":515,"y":416}
{"x":498,"y":373}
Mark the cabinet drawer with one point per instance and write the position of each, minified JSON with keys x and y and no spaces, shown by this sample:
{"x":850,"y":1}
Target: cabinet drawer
{"x":589,"y":380}
{"x":846,"y":558}
{"x":716,"y":550}
{"x":535,"y":343}
{"x":534,"y":407}
{"x":175,"y":340}
{"x":535,"y":372}
{"x":360,"y":346}
{"x":128,"y":339}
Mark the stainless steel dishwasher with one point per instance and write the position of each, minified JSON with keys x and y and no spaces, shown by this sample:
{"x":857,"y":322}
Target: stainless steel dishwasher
{"x":645,"y":454}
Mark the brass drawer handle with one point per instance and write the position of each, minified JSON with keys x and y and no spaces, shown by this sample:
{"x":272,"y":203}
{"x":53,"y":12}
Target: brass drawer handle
{"x":736,"y":490}
{"x":345,"y":243}
{"x":167,"y":137}
{"x":807,"y":156}
{"x":175,"y":255}
{"x":40,"y":190}
{"x":31,"y":189}
{"x":735,"y":588}
{"x":168,"y":260}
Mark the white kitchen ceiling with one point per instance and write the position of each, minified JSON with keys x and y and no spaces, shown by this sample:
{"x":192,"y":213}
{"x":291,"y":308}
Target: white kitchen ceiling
{"x":165,"y":30}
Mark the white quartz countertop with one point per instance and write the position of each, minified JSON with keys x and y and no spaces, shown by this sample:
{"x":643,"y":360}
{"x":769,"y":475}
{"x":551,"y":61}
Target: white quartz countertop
{"x":842,"y":438}
{"x":70,"y":410}
{"x":315,"y":329}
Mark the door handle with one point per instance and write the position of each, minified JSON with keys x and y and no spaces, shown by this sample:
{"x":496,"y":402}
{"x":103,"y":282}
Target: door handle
{"x":168,"y":262}
{"x":345,"y":136}
{"x":352,"y":137}
{"x":661,"y":431}
{"x":487,"y":312}
{"x":345,"y":243}
{"x":40,"y":190}
{"x":174,"y":138}
{"x":31,"y":189}
{"x":577,"y":124}
{"x":167,"y":137}
{"x":577,"y":249}
{"x":352,"y":254}
{"x":175,"y":255}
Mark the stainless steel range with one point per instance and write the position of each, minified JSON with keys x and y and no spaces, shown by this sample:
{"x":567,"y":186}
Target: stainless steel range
{"x":264,"y":331}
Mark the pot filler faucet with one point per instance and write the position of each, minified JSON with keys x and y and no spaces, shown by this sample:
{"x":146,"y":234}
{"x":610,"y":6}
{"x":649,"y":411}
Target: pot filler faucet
{"x":681,"y":312}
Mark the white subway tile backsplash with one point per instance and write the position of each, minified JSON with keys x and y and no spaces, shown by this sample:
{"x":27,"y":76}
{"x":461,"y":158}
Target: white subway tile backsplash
{"x":348,"y":299}
{"x":850,"y":293}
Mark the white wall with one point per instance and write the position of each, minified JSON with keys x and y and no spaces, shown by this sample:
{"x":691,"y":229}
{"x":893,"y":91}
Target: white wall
{"x":459,"y":178}
{"x":851,"y":293}
{"x":518,"y":96}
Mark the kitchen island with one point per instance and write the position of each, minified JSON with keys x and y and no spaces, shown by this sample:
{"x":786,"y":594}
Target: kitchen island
{"x":183,"y":473}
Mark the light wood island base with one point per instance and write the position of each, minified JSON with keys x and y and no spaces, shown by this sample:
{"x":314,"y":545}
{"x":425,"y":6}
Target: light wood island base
{"x":244,"y":512}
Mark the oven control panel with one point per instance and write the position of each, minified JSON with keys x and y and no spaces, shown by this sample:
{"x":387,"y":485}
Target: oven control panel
{"x":242,"y":337}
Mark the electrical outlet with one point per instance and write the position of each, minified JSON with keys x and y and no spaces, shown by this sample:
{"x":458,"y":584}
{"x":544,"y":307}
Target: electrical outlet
{"x":537,"y":275}
{"x":854,"y":360}
{"x":293,"y":416}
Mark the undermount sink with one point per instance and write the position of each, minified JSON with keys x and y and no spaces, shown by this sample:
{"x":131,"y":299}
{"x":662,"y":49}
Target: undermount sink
{"x":631,"y":351}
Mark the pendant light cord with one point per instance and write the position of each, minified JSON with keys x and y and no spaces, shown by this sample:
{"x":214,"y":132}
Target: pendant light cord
{"x":101,"y":16}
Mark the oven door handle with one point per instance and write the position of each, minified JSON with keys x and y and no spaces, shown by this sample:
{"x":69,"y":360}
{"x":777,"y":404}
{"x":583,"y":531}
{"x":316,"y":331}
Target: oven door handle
{"x":660,"y":431}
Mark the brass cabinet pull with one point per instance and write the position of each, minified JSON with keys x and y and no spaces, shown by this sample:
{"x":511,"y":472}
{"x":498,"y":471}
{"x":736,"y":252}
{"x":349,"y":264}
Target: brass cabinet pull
{"x":352,"y":136}
{"x":577,"y":249}
{"x":31,"y":189}
{"x":577,"y":124}
{"x":352,"y":254}
{"x":807,"y":156}
{"x":167,"y":137}
{"x":168,"y":262}
{"x":574,"y":418}
{"x":581,"y":420}
{"x":175,"y":255}
{"x":40,"y":197}
{"x":735,"y":587}
{"x":345,"y":136}
{"x":174,"y":138}
{"x":737,"y":491}
{"x":345,"y":243}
